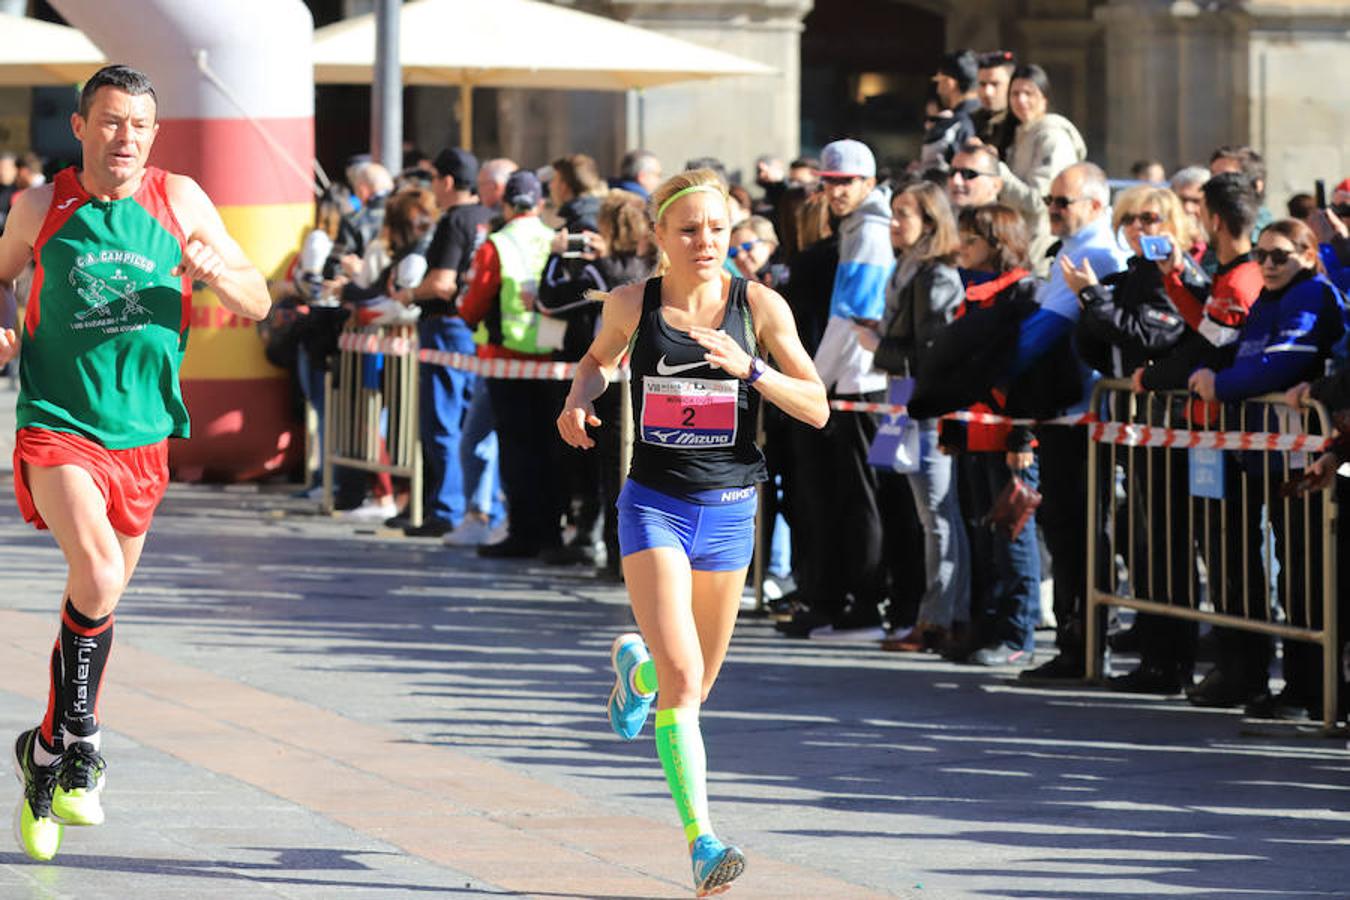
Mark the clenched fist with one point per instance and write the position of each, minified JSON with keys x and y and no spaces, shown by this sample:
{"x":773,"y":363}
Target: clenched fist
{"x":200,"y":263}
{"x":9,"y":345}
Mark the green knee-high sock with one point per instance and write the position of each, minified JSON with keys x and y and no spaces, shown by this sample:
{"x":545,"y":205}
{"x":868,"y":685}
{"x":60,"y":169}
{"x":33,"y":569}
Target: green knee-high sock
{"x":644,"y":678}
{"x":679,"y":743}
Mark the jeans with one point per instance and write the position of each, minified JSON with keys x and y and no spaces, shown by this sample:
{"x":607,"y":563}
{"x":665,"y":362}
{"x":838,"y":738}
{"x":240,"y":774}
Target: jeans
{"x":478,"y":456}
{"x":444,"y":401}
{"x":946,"y":550}
{"x":1016,"y":596}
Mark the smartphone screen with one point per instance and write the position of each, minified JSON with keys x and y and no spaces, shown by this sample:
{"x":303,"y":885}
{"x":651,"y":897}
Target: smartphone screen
{"x":1155,"y":246}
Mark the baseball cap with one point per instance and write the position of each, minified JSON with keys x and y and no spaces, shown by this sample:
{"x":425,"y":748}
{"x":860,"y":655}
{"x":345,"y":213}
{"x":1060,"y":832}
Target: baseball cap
{"x":459,"y":163}
{"x":847,"y":159}
{"x":523,"y":190}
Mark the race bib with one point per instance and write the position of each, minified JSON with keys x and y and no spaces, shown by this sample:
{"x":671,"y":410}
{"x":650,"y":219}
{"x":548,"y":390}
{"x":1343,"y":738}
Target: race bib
{"x":689,"y":412}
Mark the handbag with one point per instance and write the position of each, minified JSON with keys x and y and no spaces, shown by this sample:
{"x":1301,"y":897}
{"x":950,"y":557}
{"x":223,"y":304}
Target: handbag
{"x":896,"y":445}
{"x":895,"y":448}
{"x":1012,"y":508}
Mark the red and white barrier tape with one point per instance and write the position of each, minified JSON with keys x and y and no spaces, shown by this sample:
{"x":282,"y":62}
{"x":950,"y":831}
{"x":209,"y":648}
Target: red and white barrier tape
{"x":1128,"y":435}
{"x":531,"y":369}
{"x":1131,"y":435}
{"x":1120,"y":433}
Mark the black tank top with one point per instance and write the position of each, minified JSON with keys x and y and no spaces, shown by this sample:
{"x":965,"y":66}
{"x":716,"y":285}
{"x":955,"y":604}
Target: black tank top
{"x":694,"y":426}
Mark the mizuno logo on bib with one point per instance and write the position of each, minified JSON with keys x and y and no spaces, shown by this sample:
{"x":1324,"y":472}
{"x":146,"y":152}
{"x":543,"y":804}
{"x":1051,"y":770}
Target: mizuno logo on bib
{"x":689,"y":412}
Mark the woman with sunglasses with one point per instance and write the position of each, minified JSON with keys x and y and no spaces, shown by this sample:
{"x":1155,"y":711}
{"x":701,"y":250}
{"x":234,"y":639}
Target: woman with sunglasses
{"x":1287,"y":338}
{"x":1128,"y":320}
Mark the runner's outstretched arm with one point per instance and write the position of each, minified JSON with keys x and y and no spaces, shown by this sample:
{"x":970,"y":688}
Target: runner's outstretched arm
{"x":212,"y":257}
{"x":618,"y":322}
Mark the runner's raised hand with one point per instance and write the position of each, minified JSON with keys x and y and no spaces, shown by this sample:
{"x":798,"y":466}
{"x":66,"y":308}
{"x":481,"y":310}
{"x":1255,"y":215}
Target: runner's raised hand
{"x":9,"y":345}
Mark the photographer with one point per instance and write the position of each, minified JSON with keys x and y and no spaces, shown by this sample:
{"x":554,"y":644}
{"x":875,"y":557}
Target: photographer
{"x":619,"y":253}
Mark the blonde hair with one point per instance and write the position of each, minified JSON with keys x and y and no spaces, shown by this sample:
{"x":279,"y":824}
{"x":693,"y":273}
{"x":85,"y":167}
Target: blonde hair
{"x":624,"y":216}
{"x":705,"y":179}
{"x":1175,"y":221}
{"x":761,"y":227}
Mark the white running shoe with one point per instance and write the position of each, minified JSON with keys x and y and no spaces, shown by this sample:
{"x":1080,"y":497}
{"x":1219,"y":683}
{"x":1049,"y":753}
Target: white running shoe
{"x":472,"y":531}
{"x":371,"y":510}
{"x":848,"y":635}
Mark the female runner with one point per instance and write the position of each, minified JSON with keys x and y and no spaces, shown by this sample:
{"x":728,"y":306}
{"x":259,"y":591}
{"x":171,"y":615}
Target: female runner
{"x":686,"y":513}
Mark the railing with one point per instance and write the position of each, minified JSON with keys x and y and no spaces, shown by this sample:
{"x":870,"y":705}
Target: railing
{"x":1200,"y":523}
{"x":371,"y":413}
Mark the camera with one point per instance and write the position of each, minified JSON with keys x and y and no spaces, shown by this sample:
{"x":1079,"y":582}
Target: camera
{"x":577,"y":244}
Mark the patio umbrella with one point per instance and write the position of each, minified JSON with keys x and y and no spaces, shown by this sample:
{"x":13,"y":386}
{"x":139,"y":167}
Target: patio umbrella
{"x":518,"y":44}
{"x":35,"y":53}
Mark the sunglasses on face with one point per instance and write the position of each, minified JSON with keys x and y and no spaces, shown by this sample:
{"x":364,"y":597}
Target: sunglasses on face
{"x":743,"y":247}
{"x":1147,"y":218}
{"x":1274,"y":257}
{"x":968,"y":174}
{"x":1053,"y":202}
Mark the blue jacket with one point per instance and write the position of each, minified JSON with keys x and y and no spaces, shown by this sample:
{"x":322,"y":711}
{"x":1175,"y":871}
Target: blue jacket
{"x":1286,"y":338}
{"x":1059,"y":306}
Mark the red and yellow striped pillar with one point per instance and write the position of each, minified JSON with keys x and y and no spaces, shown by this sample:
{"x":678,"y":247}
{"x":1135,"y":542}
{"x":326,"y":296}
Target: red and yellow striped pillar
{"x":235,"y":85}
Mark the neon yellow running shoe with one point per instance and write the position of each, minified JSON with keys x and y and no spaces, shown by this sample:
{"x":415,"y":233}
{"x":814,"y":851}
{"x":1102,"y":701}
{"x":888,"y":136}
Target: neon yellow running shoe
{"x":36,"y":831}
{"x":79,"y":785}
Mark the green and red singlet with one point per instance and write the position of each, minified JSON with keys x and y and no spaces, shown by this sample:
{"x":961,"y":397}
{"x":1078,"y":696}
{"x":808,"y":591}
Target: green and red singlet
{"x":107,"y":322}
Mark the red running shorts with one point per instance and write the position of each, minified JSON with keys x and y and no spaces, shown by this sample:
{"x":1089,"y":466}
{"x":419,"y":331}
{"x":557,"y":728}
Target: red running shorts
{"x":132,"y":481}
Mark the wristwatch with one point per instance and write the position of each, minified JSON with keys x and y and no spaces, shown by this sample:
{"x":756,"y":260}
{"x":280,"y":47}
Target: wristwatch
{"x":757,"y":368}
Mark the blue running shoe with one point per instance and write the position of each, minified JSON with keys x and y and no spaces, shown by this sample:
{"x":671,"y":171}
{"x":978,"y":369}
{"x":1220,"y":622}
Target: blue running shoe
{"x":715,"y":865}
{"x":627,"y":708}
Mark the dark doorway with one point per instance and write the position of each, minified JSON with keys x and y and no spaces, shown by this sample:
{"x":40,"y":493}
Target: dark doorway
{"x":866,"y":66}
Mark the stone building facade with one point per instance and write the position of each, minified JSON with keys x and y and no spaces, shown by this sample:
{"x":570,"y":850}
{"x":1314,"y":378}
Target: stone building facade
{"x":1170,"y":79}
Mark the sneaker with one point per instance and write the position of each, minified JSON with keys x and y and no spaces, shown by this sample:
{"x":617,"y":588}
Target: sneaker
{"x":1064,"y":667}
{"x":1002,"y":655}
{"x":38,"y":833}
{"x":1147,"y":679}
{"x":627,"y":708}
{"x":371,"y":510}
{"x":472,"y":532}
{"x":1220,"y":691}
{"x":79,"y":785}
{"x":511,"y":548}
{"x":843,"y":634}
{"x":432,"y":527}
{"x":716,"y":865}
{"x":802,"y":623}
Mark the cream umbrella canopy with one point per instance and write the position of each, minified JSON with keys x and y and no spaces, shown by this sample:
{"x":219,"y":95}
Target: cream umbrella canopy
{"x":35,"y":53}
{"x":518,"y":44}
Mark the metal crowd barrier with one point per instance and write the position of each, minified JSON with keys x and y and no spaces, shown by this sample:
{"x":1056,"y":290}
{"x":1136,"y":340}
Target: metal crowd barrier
{"x":1194,"y":532}
{"x":371,"y":414}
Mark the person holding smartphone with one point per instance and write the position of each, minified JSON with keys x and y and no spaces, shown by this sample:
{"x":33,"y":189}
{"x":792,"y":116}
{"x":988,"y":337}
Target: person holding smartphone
{"x":1127,"y":321}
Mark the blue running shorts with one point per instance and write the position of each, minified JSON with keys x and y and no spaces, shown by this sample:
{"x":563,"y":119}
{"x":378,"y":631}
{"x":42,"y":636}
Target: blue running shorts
{"x":715,"y":529}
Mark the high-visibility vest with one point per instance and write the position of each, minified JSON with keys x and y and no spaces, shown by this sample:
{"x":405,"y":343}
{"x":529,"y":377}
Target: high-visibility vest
{"x":523,"y":247}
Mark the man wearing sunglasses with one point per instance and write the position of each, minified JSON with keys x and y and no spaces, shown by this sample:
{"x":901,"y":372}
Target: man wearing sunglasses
{"x":974,"y":179}
{"x":1079,"y":217}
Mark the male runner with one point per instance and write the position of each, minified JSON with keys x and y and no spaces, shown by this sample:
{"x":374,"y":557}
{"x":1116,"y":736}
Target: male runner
{"x":117,"y":246}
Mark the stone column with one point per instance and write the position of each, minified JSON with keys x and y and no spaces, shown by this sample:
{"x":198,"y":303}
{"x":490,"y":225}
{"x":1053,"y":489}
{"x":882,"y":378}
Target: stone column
{"x":1177,"y":82}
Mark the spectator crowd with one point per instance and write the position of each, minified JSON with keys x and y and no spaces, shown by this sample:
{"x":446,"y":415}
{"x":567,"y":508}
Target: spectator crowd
{"x":999,"y":274}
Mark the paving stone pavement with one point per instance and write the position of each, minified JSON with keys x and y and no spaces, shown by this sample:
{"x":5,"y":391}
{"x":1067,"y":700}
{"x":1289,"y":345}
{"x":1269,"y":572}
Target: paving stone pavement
{"x":300,"y":708}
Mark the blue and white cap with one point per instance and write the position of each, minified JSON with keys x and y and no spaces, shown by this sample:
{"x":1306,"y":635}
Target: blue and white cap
{"x":847,"y":159}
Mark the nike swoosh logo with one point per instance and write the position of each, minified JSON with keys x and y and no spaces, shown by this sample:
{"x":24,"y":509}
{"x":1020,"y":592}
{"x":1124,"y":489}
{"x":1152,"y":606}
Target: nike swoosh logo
{"x":67,"y":203}
{"x":663,"y":368}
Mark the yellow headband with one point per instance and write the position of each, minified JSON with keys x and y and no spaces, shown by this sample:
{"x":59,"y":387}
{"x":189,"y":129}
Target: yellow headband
{"x":692,"y":189}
